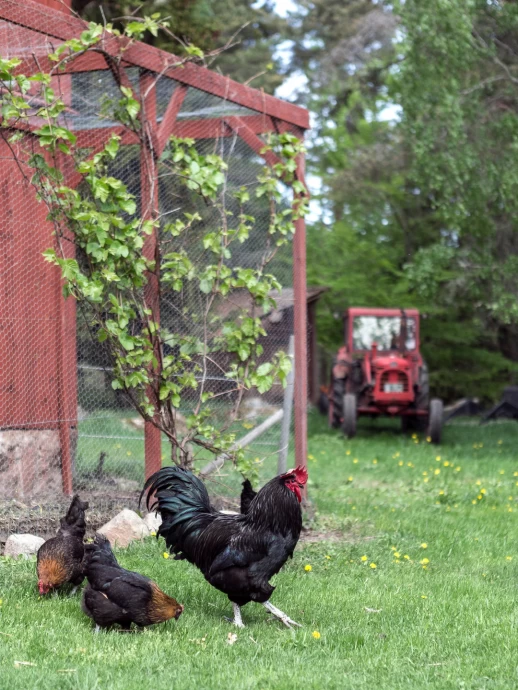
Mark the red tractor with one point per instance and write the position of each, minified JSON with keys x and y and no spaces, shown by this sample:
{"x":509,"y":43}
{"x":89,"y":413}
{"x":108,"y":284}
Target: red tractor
{"x":380,"y":371}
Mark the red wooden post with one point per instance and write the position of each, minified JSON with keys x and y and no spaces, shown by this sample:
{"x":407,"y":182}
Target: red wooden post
{"x":149,"y":210}
{"x":300,"y":332}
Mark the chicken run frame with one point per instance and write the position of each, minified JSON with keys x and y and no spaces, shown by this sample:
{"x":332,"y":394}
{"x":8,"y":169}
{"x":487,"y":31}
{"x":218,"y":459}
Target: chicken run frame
{"x":38,"y":333}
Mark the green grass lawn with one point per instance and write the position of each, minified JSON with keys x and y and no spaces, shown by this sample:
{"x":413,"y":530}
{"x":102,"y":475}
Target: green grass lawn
{"x":413,"y":583}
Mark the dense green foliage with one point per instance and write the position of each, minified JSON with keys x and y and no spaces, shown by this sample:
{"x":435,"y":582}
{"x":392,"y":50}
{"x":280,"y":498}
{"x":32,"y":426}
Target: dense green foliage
{"x":380,"y":499}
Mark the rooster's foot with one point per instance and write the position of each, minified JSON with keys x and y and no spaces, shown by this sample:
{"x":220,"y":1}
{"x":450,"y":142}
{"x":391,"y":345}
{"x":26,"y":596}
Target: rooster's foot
{"x":280,"y":615}
{"x":237,"y":620}
{"x":97,"y":629}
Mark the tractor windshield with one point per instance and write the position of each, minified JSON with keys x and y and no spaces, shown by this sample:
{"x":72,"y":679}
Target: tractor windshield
{"x":385,"y":331}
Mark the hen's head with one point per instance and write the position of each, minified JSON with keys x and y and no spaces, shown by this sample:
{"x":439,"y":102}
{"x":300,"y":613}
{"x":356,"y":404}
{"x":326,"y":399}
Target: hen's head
{"x":295,"y":480}
{"x":44,"y":587}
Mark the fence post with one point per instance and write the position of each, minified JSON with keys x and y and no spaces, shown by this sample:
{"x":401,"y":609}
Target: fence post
{"x":149,"y":210}
{"x":300,"y":333}
{"x":287,"y":407}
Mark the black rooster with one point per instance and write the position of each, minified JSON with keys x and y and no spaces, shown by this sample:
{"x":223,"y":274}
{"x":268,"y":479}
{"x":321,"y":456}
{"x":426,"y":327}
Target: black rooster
{"x":60,"y":559}
{"x":115,"y":595}
{"x":237,"y":554}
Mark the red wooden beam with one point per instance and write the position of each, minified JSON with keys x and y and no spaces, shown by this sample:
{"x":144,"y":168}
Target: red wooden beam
{"x":58,"y":25}
{"x":165,"y":129}
{"x":149,"y":210}
{"x":300,"y":333}
{"x":241,"y":128}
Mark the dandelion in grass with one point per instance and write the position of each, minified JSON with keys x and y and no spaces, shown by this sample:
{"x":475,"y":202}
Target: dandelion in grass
{"x":373,"y":566}
{"x":424,"y":561}
{"x":397,"y":554}
{"x":316,"y":634}
{"x":375,"y":461}
{"x":129,"y":453}
{"x":165,"y":554}
{"x":153,"y":534}
{"x":406,"y":557}
{"x":515,"y":474}
{"x":499,"y":442}
{"x":424,"y":545}
{"x":509,"y":510}
{"x":349,"y":479}
{"x":355,"y":461}
{"x":502,"y":472}
{"x":446,"y":463}
{"x":426,"y":480}
{"x":508,"y":558}
{"x":438,"y":458}
{"x":409,"y":464}
{"x":118,"y":445}
{"x":363,"y":558}
{"x":474,"y":501}
{"x":478,"y":482}
{"x":354,"y":508}
{"x":423,"y":596}
{"x":347,"y":452}
{"x":328,"y":558}
{"x":311,"y":457}
{"x":483,"y":492}
{"x":401,"y":463}
{"x":428,"y":439}
{"x":510,"y":498}
{"x":437,"y":471}
{"x":308,"y":568}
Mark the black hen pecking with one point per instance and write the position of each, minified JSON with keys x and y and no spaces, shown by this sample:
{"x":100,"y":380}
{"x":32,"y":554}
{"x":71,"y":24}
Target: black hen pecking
{"x":60,"y":559}
{"x":115,"y":595}
{"x":237,"y":554}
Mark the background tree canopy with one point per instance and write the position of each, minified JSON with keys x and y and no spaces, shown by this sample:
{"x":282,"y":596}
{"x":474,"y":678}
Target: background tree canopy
{"x":413,"y":155}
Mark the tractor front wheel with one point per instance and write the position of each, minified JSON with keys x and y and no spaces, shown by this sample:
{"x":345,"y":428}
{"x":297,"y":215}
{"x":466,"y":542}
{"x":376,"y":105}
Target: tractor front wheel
{"x":435,"y":420}
{"x":350,"y":415}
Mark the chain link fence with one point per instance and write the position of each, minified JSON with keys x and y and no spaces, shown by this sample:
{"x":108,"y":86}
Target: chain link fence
{"x":56,"y":398}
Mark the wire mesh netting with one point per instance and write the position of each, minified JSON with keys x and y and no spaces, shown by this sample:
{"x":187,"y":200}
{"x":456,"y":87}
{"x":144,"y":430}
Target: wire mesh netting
{"x":56,"y":397}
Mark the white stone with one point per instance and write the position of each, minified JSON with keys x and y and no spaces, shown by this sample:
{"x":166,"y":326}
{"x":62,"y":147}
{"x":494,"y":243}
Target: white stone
{"x":124,"y":528}
{"x":152,"y":521}
{"x":22,"y":545}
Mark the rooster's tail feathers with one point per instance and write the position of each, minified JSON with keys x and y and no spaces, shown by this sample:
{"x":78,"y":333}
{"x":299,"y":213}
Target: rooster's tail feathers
{"x":74,"y":521}
{"x":183,"y":503}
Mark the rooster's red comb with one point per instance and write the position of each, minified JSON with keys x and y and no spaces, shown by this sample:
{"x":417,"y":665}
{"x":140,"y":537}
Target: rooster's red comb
{"x":300,"y":472}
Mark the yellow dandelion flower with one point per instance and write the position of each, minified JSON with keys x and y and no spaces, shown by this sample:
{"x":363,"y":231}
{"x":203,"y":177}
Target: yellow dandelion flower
{"x":474,"y":501}
{"x":153,"y":534}
{"x":426,"y":480}
{"x":1,"y":602}
{"x":328,"y":558}
{"x":510,"y":498}
{"x":425,"y":473}
{"x":316,"y":634}
{"x":458,"y":469}
{"x":406,"y":557}
{"x":437,"y":471}
{"x":401,"y":463}
{"x":483,"y":492}
{"x":509,"y":510}
{"x":446,"y":463}
{"x":354,"y":507}
{"x":428,"y":439}
{"x":363,"y":558}
{"x":479,"y":497}
{"x":515,"y":474}
{"x":375,"y":462}
{"x":308,"y":568}
{"x":397,"y":560}
{"x":373,"y":566}
{"x":425,"y":561}
{"x":414,"y":436}
{"x":478,"y":482}
{"x":508,"y":558}
{"x":118,"y":445}
{"x":311,"y":457}
{"x":409,"y":464}
{"x":355,"y":461}
{"x":438,"y":458}
{"x":129,"y":452}
{"x":349,"y":479}
{"x":394,"y":548}
{"x":502,"y":472}
{"x":165,"y":554}
{"x":423,"y":596}
{"x":397,"y":554}
{"x":441,"y":492}
{"x":499,"y":442}
{"x":424,"y":545}
{"x":347,"y":452}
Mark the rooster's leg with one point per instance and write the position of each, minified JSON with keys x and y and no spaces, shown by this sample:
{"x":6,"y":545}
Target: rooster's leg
{"x":73,"y":591}
{"x":237,"y":621}
{"x":280,"y":615}
{"x":97,"y":628}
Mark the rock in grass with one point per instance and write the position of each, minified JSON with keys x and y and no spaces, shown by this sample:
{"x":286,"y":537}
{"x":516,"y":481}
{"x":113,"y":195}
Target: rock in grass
{"x":22,"y":545}
{"x":125,"y":528}
{"x":152,"y":521}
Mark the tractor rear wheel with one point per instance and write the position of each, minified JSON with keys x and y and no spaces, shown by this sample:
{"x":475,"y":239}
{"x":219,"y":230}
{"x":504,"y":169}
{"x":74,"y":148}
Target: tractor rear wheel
{"x":422,"y":400}
{"x":435,"y":420}
{"x":350,"y":415}
{"x":337,"y":396}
